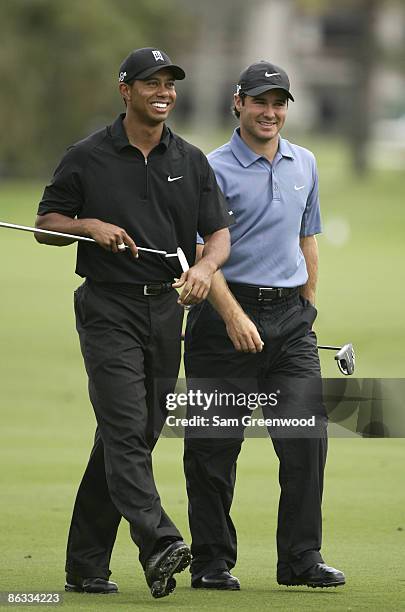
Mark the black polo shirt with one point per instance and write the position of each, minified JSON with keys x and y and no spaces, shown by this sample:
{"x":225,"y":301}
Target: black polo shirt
{"x":161,"y":202}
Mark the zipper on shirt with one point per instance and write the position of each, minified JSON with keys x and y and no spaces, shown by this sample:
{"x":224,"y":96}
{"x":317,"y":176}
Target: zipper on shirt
{"x":145,"y":190}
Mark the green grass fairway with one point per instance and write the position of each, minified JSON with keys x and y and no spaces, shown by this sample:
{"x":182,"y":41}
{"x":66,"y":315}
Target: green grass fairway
{"x":363,"y":514}
{"x":364,"y":523}
{"x":47,"y":422}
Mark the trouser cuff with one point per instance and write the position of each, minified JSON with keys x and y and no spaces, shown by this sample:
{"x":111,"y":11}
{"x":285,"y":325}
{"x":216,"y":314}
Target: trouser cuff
{"x":298,"y":566}
{"x":201,"y":569}
{"x":85,"y":571}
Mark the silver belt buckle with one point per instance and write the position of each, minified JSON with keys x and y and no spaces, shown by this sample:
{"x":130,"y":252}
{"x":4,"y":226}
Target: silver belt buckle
{"x":262,"y":298}
{"x":148,"y":291}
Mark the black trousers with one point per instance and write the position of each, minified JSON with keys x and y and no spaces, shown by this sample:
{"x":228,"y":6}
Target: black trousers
{"x":290,"y":354}
{"x":128,"y":343}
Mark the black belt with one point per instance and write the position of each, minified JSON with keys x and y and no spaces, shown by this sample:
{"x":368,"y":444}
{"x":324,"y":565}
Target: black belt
{"x":134,"y":289}
{"x":262,"y":294}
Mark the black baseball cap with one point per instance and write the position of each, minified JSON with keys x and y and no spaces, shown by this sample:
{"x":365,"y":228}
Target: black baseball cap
{"x":263,"y":76}
{"x":142,"y":63}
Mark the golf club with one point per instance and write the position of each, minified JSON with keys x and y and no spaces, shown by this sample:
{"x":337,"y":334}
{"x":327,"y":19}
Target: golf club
{"x":182,"y":258}
{"x":34,"y":230}
{"x":345,"y":357}
{"x":25,"y":228}
{"x":183,"y":263}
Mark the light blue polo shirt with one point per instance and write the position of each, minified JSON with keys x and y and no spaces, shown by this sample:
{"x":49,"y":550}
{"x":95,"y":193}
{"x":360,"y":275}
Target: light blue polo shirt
{"x":273,"y":205}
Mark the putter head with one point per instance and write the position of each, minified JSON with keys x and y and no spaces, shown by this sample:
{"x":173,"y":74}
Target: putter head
{"x":182,"y":259}
{"x":346,"y":359}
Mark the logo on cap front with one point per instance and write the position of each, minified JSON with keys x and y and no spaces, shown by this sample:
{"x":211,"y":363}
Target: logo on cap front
{"x":268,"y":74}
{"x":158,"y":56}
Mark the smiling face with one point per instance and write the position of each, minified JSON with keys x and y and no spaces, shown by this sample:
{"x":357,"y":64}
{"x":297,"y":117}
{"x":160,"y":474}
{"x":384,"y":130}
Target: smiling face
{"x":150,"y":101}
{"x":263,"y":116}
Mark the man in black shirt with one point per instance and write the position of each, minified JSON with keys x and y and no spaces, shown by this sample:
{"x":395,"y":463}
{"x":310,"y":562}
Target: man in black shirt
{"x":132,"y":183}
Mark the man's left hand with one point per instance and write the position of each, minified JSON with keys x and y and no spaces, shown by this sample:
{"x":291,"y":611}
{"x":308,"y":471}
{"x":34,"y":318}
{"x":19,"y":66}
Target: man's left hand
{"x":196,"y":283}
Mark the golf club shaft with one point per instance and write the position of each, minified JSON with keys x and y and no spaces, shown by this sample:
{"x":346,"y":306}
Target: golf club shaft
{"x":34,"y":230}
{"x":329,"y":348}
{"x":320,"y":346}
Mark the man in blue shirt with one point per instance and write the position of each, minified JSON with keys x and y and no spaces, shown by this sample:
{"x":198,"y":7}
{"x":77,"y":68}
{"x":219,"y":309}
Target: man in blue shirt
{"x":257,"y":323}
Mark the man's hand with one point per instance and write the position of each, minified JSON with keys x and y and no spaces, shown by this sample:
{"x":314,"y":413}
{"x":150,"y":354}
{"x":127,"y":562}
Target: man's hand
{"x":243,"y":333}
{"x":106,"y":235}
{"x":196,"y":282}
{"x":109,"y":236}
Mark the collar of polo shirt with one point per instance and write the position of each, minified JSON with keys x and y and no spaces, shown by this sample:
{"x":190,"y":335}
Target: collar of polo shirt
{"x":120,"y":138}
{"x":246,"y":156}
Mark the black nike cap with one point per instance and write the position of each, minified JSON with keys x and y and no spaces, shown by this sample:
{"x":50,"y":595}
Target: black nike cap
{"x":142,"y":63}
{"x":261,"y":77}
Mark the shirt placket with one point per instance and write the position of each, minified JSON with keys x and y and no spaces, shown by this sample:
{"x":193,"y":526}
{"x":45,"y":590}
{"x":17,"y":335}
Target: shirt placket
{"x":145,"y":183}
{"x":275,"y":181}
{"x":274,"y":186}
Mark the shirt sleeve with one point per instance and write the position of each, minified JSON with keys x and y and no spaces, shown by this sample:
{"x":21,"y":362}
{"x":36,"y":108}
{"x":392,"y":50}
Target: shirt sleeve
{"x":213,"y":211}
{"x":64,"y":193}
{"x":311,"y":220}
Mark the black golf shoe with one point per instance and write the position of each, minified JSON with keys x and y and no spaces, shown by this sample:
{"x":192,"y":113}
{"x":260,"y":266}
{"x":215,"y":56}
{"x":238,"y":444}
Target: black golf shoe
{"x":222,"y":580}
{"x":319,"y":575}
{"x":160,"y":567}
{"x":76,"y":584}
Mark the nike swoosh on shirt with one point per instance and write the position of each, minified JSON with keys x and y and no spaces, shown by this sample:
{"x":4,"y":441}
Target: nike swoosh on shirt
{"x":268,"y":74}
{"x":298,"y":188}
{"x":175,"y":178}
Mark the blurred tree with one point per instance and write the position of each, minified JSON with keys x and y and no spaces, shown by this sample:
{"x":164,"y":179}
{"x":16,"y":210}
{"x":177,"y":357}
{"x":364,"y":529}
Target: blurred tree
{"x":364,"y":56}
{"x":220,"y":25}
{"x":361,"y":47}
{"x":59,"y":66}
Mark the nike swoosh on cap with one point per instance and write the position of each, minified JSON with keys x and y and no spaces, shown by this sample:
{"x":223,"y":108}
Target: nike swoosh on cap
{"x":267,"y":74}
{"x":175,"y":178}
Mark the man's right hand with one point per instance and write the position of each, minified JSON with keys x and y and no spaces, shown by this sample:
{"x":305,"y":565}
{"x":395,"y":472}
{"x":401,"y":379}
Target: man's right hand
{"x":106,"y":235}
{"x":109,"y":236}
{"x":243,"y":333}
